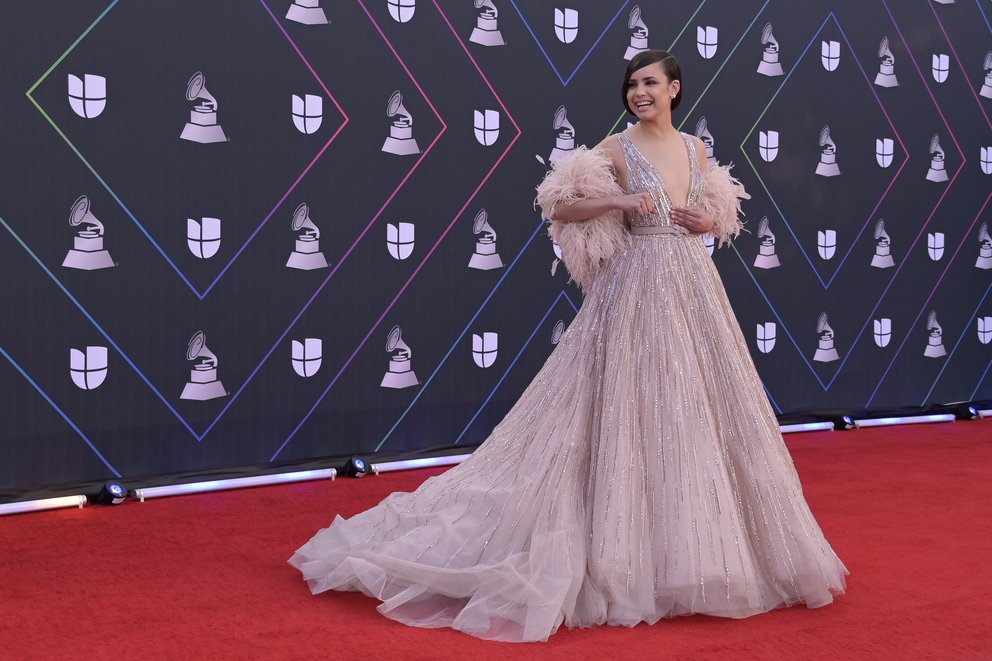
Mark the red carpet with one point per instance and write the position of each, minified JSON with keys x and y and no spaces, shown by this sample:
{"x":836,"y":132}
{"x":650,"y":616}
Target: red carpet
{"x":908,"y":509}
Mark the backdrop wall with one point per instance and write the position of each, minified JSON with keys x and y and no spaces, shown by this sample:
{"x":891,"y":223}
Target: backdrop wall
{"x":860,"y":128}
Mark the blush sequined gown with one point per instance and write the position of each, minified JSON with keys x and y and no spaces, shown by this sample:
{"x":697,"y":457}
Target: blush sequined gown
{"x":641,"y":475}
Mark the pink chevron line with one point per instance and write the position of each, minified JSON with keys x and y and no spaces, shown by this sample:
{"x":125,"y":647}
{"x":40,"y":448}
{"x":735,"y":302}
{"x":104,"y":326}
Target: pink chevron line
{"x":354,"y":244}
{"x":964,"y":71}
{"x":923,"y":228}
{"x":433,"y":248}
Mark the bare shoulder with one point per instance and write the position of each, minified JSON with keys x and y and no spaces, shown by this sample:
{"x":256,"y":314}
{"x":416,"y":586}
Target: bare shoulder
{"x":611,"y":147}
{"x":700,"y":152}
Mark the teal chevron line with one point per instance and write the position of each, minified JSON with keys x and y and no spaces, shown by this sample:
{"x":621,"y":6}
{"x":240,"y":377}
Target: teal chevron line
{"x":709,"y":84}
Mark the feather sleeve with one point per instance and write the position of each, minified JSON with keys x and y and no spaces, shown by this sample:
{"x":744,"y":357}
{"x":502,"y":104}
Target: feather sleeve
{"x":722,"y":195}
{"x":586,"y":245}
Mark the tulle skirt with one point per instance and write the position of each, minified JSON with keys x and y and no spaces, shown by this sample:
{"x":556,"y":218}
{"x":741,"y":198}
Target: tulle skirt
{"x":641,"y":475}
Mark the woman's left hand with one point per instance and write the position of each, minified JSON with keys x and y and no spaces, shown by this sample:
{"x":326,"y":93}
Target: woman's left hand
{"x":694,"y":219}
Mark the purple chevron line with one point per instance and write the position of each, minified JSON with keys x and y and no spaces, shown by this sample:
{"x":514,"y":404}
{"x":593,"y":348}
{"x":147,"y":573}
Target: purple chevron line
{"x":967,"y":326}
{"x":943,"y":195}
{"x":361,"y":236}
{"x":964,"y":71}
{"x":437,"y":243}
{"x":305,"y":170}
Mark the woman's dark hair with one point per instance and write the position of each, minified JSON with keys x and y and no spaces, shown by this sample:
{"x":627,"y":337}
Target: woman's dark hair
{"x":668,"y":63}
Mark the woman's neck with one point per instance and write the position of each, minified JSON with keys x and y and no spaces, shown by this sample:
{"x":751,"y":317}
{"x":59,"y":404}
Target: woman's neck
{"x":658,"y":129}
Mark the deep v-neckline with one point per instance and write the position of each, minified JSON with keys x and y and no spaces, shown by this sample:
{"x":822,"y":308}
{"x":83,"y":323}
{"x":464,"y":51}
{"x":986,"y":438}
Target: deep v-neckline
{"x":657,"y":173}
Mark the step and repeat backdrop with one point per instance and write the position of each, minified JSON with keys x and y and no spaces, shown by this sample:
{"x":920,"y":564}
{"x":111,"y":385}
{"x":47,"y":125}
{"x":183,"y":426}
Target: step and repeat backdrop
{"x":248,"y":231}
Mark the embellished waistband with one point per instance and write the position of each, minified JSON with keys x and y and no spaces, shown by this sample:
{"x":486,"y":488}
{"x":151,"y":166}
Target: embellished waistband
{"x":676,"y":230}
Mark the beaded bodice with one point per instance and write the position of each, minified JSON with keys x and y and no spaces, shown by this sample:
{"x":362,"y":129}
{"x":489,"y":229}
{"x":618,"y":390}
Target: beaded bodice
{"x":642,"y":176}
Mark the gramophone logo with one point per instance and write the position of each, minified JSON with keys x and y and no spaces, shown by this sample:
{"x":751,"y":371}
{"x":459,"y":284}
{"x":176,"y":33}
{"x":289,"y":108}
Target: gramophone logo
{"x":986,"y":160}
{"x":887,"y":66}
{"x":769,"y":65}
{"x":984,"y":248}
{"x":825,"y":351}
{"x":564,"y":135}
{"x":935,"y":245}
{"x":707,"y":39}
{"x":402,"y":10}
{"x":827,"y":167}
{"x":830,"y":54}
{"x":882,"y":331}
{"x":307,"y":255}
{"x":308,"y":113}
{"x":88,"y":367}
{"x":307,"y":12}
{"x":935,"y":337}
{"x":486,"y":125}
{"x":985,"y":329}
{"x":703,"y":133}
{"x":883,"y":250}
{"x":202,"y":126}
{"x":557,"y":332}
{"x":940,"y":66}
{"x":765,"y":334}
{"x":936,"y":172}
{"x":826,"y":243}
{"x":307,"y":356}
{"x":766,"y":259}
{"x":87,"y":95}
{"x":400,"y":140}
{"x":203,"y":236}
{"x":638,"y":34}
{"x":485,"y":256}
{"x":203,"y":383}
{"x":768,"y":145}
{"x":87,"y":253}
{"x":486,"y":32}
{"x":884,"y":151}
{"x":986,"y":90}
{"x":399,"y":375}
{"x":400,"y":240}
{"x":566,"y":25}
{"x":709,"y":242}
{"x":484,"y":349}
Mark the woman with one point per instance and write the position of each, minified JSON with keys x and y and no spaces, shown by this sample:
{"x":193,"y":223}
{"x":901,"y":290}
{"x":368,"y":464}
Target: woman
{"x":642,"y":473}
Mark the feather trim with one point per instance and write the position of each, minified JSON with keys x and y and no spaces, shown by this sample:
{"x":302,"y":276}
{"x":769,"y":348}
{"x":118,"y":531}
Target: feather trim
{"x":586,"y":245}
{"x":722,"y":195}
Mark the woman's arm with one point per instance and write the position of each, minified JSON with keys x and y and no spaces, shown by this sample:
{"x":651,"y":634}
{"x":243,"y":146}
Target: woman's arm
{"x":592,"y":207}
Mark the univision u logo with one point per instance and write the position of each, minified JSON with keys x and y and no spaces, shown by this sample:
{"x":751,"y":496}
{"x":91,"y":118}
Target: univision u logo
{"x":88,"y":367}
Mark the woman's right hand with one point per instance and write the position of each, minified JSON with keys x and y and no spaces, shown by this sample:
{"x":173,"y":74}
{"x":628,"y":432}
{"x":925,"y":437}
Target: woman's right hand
{"x":636,"y":203}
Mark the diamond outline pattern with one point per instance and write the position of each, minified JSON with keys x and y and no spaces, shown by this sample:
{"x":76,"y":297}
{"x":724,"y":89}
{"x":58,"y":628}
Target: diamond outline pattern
{"x":134,"y":219}
{"x":747,"y":137}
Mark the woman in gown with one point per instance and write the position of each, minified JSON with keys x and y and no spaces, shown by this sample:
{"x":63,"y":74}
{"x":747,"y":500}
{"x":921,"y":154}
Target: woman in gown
{"x":642,"y":474}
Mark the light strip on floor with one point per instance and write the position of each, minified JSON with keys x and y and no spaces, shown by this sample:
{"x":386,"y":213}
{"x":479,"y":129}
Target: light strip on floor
{"x":419,"y":463}
{"x":234,"y":483}
{"x":906,"y":420}
{"x":43,"y":504}
{"x":985,"y":413}
{"x":807,"y":426}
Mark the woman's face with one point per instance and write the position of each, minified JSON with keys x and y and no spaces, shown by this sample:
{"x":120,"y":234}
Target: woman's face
{"x":649,"y":91}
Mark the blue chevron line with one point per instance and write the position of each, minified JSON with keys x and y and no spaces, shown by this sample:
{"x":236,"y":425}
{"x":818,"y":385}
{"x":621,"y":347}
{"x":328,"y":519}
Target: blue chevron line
{"x":723,"y":64}
{"x":772,"y":399}
{"x":458,"y":340}
{"x":980,"y":381}
{"x":699,"y":98}
{"x":537,"y":41}
{"x":784,"y":327}
{"x":978,"y":3}
{"x":62,"y":413}
{"x":826,"y":284}
{"x":967,"y":331}
{"x":506,"y":373}
{"x":104,"y":333}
